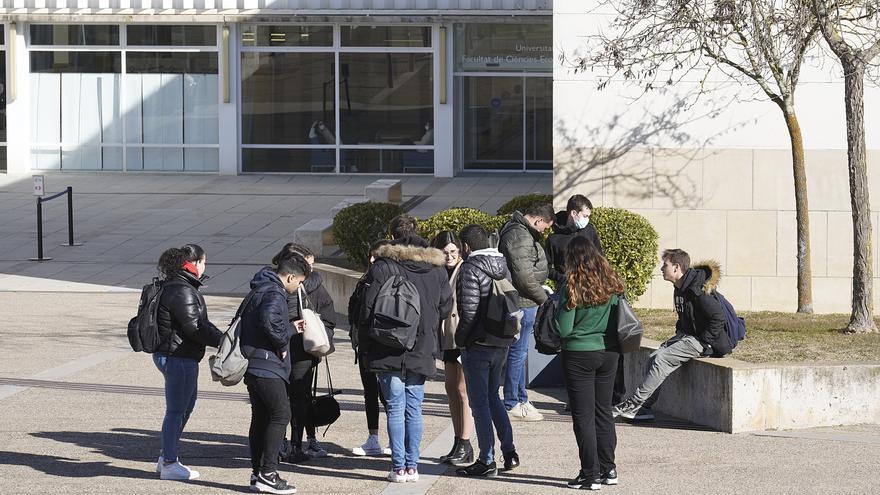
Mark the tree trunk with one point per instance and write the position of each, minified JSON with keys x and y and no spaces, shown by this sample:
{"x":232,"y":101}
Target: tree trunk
{"x":863,"y":279}
{"x":802,"y":208}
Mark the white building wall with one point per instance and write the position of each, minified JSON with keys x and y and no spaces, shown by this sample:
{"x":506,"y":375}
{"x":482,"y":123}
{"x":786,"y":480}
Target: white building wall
{"x":716,"y":180}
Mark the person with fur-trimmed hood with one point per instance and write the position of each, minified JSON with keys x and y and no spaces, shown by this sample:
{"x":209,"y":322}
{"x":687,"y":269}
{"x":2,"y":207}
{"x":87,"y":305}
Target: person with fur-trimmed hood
{"x":699,"y":331}
{"x":402,"y":373}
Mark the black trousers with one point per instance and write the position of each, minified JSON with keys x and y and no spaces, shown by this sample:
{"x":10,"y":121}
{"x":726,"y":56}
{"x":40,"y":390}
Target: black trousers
{"x":372,"y":396}
{"x":589,"y":378}
{"x":270,"y":413}
{"x":300,"y":393}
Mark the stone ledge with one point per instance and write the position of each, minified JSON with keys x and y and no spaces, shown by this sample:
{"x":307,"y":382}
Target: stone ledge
{"x":734,"y":396}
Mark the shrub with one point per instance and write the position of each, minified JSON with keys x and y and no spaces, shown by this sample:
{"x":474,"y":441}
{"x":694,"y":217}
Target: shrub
{"x":519,"y":203}
{"x":630,"y":244}
{"x":357,"y":226}
{"x":455,"y":219}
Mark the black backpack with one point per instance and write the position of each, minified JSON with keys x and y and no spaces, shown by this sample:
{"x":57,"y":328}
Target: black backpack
{"x":143,"y":329}
{"x":503,"y":316}
{"x":547,"y":339}
{"x":396,"y":312}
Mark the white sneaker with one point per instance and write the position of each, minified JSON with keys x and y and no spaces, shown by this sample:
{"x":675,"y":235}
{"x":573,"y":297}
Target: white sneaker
{"x":314,"y":449}
{"x":387,"y":450}
{"x":398,"y":476}
{"x":370,"y":447}
{"x":515,"y":412}
{"x":177,"y":471}
{"x":530,"y":413}
{"x":412,"y":474}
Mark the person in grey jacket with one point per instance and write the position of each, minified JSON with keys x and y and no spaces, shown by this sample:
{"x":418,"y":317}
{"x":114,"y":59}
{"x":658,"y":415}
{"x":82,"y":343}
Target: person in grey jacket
{"x":520,"y":243}
{"x":483,"y":354}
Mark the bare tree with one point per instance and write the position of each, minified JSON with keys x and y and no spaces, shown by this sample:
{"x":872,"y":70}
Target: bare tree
{"x":852,"y":31}
{"x":760,"y":42}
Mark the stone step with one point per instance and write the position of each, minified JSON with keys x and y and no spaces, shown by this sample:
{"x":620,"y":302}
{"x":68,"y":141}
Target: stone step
{"x":317,"y":235}
{"x":346,"y":203}
{"x":384,"y":191}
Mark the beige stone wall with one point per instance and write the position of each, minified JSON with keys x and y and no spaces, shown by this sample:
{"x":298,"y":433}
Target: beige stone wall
{"x":735,"y":206}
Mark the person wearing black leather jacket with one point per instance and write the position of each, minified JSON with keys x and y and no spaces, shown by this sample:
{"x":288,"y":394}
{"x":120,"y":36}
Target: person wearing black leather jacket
{"x":184,"y":329}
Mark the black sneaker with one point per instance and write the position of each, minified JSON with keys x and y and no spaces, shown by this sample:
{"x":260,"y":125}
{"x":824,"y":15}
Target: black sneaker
{"x":478,"y":470}
{"x":632,"y":410}
{"x":583,"y":482}
{"x":511,"y":460}
{"x":296,"y":456}
{"x":609,"y":478}
{"x":272,"y":483}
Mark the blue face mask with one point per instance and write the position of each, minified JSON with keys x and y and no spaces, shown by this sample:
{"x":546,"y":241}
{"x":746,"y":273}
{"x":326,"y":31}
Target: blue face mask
{"x":582,"y":222}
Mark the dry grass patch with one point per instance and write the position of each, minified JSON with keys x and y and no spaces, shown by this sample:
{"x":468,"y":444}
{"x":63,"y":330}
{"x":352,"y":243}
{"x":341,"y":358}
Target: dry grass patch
{"x":784,"y":337}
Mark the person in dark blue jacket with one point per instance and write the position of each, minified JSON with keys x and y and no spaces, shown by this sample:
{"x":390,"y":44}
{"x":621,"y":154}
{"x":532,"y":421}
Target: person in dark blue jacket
{"x":265,"y":340}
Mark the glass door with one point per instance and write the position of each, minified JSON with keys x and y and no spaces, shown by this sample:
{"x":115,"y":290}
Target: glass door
{"x":539,"y":123}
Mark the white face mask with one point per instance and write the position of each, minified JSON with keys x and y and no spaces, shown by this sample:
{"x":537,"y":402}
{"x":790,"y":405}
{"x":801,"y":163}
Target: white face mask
{"x":582,"y":222}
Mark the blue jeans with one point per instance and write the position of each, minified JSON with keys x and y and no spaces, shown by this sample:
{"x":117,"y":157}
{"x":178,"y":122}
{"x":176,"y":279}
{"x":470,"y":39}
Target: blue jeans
{"x":515,"y":379}
{"x":404,"y":395}
{"x":181,"y":389}
{"x":483,"y":367}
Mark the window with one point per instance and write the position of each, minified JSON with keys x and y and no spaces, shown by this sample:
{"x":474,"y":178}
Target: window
{"x":164,"y":117}
{"x":74,"y":34}
{"x":386,"y":36}
{"x":366,"y":98}
{"x":168,"y":35}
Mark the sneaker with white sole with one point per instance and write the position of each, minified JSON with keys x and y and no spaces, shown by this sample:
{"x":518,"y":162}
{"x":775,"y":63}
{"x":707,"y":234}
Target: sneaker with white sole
{"x":314,"y":450}
{"x":387,"y":450}
{"x":272,"y":483}
{"x":177,"y":471}
{"x":630,"y":409}
{"x":370,"y":447}
{"x":397,"y":476}
{"x":412,"y":474}
{"x":531,"y":413}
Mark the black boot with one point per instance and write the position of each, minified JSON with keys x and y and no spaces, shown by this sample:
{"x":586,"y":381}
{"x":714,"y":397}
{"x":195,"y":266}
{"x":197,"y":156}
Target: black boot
{"x":463,"y":455}
{"x":454,"y":448}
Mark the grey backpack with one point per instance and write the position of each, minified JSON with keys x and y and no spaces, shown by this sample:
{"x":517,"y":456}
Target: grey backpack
{"x":396,"y":312}
{"x":228,"y":365}
{"x":503,"y":315}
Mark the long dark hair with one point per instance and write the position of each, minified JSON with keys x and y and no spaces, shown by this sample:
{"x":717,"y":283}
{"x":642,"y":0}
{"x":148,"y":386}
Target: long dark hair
{"x":172,"y":260}
{"x":591,"y":280}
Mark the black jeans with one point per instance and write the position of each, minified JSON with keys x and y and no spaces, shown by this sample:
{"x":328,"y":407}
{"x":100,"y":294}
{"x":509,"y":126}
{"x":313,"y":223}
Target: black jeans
{"x":372,"y":396}
{"x":589,"y":378}
{"x":270,"y":413}
{"x":300,"y":392}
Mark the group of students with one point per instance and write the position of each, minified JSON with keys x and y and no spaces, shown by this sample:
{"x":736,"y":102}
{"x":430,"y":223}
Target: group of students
{"x":454,"y":275}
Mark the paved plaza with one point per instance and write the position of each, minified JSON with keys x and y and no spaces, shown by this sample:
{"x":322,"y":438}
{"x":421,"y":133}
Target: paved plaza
{"x":81,"y":412}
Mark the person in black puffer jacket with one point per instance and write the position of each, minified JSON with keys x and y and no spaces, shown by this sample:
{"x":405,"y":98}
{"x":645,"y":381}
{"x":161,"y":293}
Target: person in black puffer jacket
{"x":185,"y":330}
{"x":402,"y":373}
{"x":303,"y":364}
{"x":265,"y":340}
{"x":483,"y":354}
{"x":571,"y":222}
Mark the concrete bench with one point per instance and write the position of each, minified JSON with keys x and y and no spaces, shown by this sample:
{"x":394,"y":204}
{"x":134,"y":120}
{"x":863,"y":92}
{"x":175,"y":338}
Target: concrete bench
{"x":384,"y":191}
{"x":345,"y":203}
{"x":317,"y":235}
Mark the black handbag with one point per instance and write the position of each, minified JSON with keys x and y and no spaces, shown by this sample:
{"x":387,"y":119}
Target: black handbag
{"x":322,"y":410}
{"x":629,"y":328}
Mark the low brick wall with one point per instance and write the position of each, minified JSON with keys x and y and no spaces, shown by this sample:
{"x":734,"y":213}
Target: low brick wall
{"x":731,"y":395}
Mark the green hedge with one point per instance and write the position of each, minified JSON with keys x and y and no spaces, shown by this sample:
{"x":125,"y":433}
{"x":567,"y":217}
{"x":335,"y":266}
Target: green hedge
{"x":357,"y":226}
{"x":455,"y":219}
{"x":519,"y":203}
{"x":630,"y":244}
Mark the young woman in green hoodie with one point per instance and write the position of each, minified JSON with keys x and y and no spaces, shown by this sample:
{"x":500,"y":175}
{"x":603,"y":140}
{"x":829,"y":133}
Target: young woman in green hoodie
{"x":589,"y":359}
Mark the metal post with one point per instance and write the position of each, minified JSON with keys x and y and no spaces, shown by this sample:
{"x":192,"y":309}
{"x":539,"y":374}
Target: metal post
{"x":70,"y":215}
{"x":70,"y":218}
{"x":40,"y":232}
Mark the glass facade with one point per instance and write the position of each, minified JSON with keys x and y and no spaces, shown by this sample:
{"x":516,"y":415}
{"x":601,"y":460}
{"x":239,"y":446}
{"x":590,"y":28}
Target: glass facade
{"x":505,"y":85}
{"x":98,"y":103}
{"x":337,"y":98}
{"x":309,"y":98}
